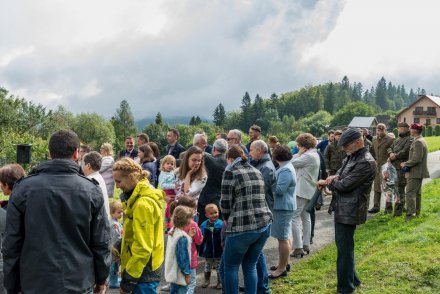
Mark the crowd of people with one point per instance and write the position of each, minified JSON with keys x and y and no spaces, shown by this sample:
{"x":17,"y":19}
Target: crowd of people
{"x":66,"y":232}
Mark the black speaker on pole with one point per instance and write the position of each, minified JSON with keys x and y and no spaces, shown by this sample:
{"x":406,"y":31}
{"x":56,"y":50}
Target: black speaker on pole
{"x":24,"y":153}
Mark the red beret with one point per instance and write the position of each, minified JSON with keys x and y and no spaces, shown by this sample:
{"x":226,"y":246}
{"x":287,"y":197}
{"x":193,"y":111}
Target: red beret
{"x":417,"y":127}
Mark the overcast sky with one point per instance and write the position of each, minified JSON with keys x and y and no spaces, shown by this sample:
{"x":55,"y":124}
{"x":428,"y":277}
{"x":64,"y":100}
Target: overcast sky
{"x":184,"y":57}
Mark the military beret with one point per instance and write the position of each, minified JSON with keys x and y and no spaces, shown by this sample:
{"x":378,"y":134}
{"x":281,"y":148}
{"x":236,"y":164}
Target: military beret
{"x":403,"y":125}
{"x":349,"y":136}
{"x":417,"y":127}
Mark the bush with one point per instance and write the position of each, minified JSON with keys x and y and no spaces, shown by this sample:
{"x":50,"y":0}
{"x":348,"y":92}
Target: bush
{"x":437,"y":130}
{"x":396,"y":132}
{"x":429,"y":131}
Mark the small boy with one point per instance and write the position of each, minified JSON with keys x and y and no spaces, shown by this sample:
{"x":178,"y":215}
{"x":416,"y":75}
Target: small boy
{"x":212,"y":245}
{"x":116,"y":213}
{"x":178,"y":252}
{"x":389,"y":177}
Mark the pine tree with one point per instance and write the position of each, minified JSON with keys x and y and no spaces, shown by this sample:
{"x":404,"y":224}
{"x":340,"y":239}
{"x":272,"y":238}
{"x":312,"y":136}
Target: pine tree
{"x":123,"y":122}
{"x":381,"y":94}
{"x":159,"y":120}
{"x":219,"y":115}
{"x":258,"y":108}
{"x":357,"y":92}
{"x":345,"y":83}
{"x":246,"y":112}
{"x":329,"y":98}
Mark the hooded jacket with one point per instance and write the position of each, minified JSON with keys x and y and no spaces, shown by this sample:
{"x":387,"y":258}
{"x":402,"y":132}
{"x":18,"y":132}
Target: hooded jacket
{"x":57,"y":237}
{"x":142,"y":251}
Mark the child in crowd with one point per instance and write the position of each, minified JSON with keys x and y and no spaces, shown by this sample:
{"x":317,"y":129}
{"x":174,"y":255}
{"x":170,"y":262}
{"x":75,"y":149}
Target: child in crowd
{"x":116,"y":213}
{"x":178,"y":252}
{"x":167,"y":182}
{"x":211,"y":248}
{"x":194,"y":232}
{"x":388,"y":185}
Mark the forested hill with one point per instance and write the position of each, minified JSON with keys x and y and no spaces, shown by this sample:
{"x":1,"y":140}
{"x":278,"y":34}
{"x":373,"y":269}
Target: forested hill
{"x":340,"y":102}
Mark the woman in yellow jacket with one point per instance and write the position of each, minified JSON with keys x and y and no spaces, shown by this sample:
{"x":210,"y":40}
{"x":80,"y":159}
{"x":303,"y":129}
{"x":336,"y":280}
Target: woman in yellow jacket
{"x":142,"y":250}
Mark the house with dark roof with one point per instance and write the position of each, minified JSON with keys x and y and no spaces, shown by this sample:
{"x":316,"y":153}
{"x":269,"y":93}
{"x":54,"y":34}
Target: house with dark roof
{"x":425,"y":110}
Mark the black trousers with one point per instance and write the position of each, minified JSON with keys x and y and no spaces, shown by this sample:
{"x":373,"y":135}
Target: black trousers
{"x":347,"y":277}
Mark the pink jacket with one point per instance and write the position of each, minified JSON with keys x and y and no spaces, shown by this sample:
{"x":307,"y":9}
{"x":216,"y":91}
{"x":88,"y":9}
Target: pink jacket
{"x":196,"y":240}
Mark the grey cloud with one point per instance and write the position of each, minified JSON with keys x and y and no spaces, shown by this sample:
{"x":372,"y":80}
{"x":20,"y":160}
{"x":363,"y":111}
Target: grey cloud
{"x":209,"y":52}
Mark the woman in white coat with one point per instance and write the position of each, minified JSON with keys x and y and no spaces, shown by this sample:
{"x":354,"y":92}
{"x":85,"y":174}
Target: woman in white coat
{"x":306,"y":163}
{"x":106,"y":167}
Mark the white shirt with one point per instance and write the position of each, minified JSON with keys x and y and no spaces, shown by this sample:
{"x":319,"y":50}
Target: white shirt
{"x":97,"y":176}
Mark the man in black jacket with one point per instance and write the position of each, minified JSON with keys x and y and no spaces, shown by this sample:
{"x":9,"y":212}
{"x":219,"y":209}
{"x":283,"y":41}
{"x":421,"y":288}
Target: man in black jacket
{"x":129,"y":150}
{"x":174,"y":148}
{"x":351,"y":187}
{"x":57,"y":237}
{"x":215,"y":165}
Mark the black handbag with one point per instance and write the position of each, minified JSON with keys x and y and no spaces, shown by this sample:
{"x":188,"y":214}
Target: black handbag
{"x":317,"y":201}
{"x":314,"y":201}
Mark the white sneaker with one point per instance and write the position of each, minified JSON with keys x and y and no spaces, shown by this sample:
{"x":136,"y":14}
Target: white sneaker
{"x":165,"y":288}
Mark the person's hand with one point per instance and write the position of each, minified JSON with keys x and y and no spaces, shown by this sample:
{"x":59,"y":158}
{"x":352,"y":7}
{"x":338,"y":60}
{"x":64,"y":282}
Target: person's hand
{"x":402,"y":164}
{"x":321,"y":184}
{"x":187,"y":279}
{"x":301,"y":150}
{"x":392,"y":156}
{"x":331,"y":179}
{"x":192,"y":232}
{"x":169,"y":198}
{"x":100,"y":289}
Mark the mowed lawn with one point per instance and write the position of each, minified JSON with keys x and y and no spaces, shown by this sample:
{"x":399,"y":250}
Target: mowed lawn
{"x":392,"y":256}
{"x":433,"y":143}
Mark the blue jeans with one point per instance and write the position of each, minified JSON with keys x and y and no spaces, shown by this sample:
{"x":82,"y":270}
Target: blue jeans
{"x":263,"y":276}
{"x":245,"y":249}
{"x":146,"y":288}
{"x":113,"y":278}
{"x":347,"y":276}
{"x":178,"y":289}
{"x":192,"y":284}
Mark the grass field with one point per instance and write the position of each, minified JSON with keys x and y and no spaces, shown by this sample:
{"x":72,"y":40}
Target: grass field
{"x":392,"y":256}
{"x":433,"y":143}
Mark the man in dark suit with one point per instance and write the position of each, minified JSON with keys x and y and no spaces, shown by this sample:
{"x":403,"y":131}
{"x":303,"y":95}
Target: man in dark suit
{"x":173,"y":147}
{"x":129,"y":149}
{"x":215,"y":165}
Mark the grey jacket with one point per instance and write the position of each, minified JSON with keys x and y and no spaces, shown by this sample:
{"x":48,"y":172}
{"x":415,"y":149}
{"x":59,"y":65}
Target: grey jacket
{"x":307,"y":170}
{"x":267,"y":169}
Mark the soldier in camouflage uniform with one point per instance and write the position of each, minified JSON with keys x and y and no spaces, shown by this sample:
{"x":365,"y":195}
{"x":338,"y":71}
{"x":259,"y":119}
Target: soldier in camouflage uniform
{"x":381,"y":142}
{"x":398,"y":153}
{"x":334,"y":155}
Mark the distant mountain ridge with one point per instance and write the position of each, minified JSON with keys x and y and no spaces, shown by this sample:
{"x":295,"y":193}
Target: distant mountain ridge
{"x":171,"y":120}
